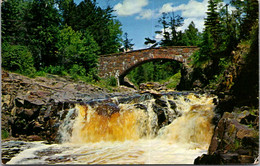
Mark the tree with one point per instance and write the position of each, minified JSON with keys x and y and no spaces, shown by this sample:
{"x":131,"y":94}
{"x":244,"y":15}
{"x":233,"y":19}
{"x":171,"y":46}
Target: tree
{"x":170,"y":36}
{"x":246,"y":14}
{"x":17,"y":58}
{"x":152,"y":43}
{"x":191,"y":36}
{"x":42,"y":23}
{"x":68,"y":11}
{"x":77,"y":48}
{"x":127,"y":45}
{"x":212,"y":21}
{"x":87,"y":16}
{"x":13,"y":29}
{"x":174,"y":23}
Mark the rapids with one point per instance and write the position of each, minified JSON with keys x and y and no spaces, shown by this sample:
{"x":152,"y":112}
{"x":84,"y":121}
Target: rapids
{"x":130,"y":134}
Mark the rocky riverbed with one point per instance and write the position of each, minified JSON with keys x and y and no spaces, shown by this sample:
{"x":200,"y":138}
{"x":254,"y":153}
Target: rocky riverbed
{"x":34,"y":109}
{"x":32,"y":106}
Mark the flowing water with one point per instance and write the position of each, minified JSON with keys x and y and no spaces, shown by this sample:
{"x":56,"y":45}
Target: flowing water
{"x":133,"y":133}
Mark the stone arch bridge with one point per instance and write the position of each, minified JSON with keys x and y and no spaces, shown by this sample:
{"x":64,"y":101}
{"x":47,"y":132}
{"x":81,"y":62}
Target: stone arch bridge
{"x":120,"y":64}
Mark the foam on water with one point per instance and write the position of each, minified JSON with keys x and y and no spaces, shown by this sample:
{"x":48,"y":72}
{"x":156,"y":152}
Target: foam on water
{"x":131,"y":136}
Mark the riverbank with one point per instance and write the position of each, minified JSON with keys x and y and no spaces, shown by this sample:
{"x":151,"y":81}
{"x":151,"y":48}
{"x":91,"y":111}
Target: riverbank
{"x":28,"y":102}
{"x":33,"y":110}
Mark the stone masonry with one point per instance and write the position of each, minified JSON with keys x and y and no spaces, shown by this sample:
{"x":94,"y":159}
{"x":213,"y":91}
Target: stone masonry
{"x":119,"y":64}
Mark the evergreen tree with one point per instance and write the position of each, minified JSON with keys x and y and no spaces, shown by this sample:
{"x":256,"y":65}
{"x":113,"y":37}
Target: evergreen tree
{"x":247,"y":12}
{"x":191,"y":36}
{"x":127,"y":45}
{"x":212,"y":21}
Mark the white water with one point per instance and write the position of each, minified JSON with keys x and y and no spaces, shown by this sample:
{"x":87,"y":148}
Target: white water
{"x":129,"y":137}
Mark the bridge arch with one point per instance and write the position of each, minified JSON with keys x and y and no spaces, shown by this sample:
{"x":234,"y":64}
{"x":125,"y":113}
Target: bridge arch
{"x":119,"y":64}
{"x":139,"y":63}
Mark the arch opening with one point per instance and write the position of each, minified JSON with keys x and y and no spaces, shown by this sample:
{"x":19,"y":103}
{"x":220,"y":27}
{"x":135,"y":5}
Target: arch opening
{"x":154,"y":70}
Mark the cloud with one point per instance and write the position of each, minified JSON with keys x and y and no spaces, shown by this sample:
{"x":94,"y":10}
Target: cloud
{"x":199,"y":24}
{"x":166,"y":8}
{"x":191,"y":9}
{"x":130,"y":7}
{"x":159,"y":37}
{"x":146,"y":14}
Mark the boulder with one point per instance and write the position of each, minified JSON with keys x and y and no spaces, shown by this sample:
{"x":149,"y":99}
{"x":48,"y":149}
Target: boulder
{"x":173,"y":104}
{"x":107,"y":109}
{"x":161,"y":102}
{"x":160,"y":112}
{"x":232,"y":141}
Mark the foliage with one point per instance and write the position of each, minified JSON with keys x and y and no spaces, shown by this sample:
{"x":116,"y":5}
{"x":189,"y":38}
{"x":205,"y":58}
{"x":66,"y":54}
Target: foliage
{"x":127,"y":45}
{"x":191,"y":36}
{"x":223,"y":31}
{"x":17,"y":58}
{"x":169,"y":23}
{"x":87,"y":16}
{"x":77,"y":70}
{"x":62,"y":37}
{"x":174,"y":81}
{"x":154,"y":71}
{"x":111,"y":81}
{"x":42,"y":25}
{"x":58,"y":70}
{"x":4,"y":134}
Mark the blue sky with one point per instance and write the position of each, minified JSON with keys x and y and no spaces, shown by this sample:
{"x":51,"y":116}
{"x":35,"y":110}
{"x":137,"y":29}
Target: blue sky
{"x":139,"y":17}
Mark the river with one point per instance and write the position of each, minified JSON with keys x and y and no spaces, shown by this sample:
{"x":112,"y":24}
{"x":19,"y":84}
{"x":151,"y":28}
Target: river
{"x":170,"y":129}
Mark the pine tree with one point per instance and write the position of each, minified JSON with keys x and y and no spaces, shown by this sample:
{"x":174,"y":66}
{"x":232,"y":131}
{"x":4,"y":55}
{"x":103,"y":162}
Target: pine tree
{"x":212,"y":22}
{"x":191,"y":35}
{"x":127,"y":43}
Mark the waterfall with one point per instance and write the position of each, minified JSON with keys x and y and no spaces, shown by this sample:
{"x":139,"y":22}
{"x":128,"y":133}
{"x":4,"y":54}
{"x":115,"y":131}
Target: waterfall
{"x":170,"y":129}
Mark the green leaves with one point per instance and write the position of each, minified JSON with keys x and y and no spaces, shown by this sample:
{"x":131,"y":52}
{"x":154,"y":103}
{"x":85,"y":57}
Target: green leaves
{"x":58,"y":36}
{"x":17,"y":58}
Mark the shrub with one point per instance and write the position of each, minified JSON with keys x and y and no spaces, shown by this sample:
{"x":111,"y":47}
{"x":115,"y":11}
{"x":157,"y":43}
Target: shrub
{"x":77,"y":70}
{"x":18,"y":58}
{"x":4,"y":134}
{"x":111,"y":81}
{"x":174,"y":80}
{"x":59,"y":70}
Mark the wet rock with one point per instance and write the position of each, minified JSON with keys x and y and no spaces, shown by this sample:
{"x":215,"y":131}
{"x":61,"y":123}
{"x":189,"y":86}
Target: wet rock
{"x":149,"y":86}
{"x":228,"y":130}
{"x":39,"y":99}
{"x":186,"y":99}
{"x":144,"y":97}
{"x":153,"y":93}
{"x":229,"y":158}
{"x":233,"y":142}
{"x":160,"y":112}
{"x":161,"y":102}
{"x":12,"y":148}
{"x":208,"y":160}
{"x":173,"y":104}
{"x":245,"y":159}
{"x":141,"y":106}
{"x":34,"y":138}
{"x":107,"y":109}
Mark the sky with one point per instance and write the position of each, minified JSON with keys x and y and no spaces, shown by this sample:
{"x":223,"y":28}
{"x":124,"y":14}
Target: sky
{"x":140,"y":17}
